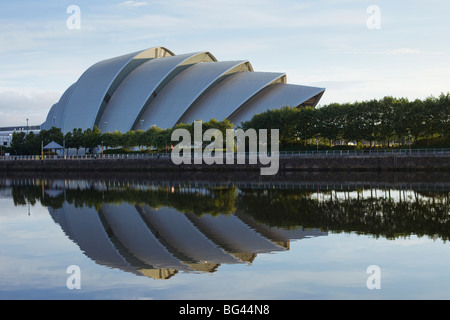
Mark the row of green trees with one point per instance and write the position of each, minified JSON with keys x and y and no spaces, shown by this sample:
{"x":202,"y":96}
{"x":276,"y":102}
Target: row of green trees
{"x":155,"y":138}
{"x":31,"y":143}
{"x":380,"y":122}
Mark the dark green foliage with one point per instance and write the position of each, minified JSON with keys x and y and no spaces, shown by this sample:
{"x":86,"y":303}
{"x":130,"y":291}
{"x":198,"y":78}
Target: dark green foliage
{"x":371,"y":123}
{"x":154,"y":138}
{"x":385,"y":122}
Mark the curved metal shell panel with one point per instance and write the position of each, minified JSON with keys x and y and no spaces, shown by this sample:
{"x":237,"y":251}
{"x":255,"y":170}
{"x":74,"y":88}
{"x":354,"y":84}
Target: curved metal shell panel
{"x":56,"y":114}
{"x":97,"y":84}
{"x":185,"y":89}
{"x":181,"y":235}
{"x":227,"y":97}
{"x":137,"y":91}
{"x":154,"y":87}
{"x":230,"y":232}
{"x":275,"y":97}
{"x":61,"y":107}
{"x":84,"y":226}
{"x":48,"y":120}
{"x":134,"y":235}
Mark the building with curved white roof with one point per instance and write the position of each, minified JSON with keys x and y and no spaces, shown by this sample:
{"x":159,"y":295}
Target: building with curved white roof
{"x":155,"y":87}
{"x":160,"y":242}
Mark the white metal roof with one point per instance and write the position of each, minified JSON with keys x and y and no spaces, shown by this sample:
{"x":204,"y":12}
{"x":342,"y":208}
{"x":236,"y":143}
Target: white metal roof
{"x":155,"y":87}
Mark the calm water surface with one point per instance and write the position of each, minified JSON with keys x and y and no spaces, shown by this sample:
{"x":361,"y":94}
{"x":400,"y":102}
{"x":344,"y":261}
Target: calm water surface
{"x":162,"y":238}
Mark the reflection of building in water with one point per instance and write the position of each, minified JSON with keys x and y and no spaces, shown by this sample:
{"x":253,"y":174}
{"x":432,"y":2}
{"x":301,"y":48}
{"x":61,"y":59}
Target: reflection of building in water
{"x":196,"y":229}
{"x":158,"y":243}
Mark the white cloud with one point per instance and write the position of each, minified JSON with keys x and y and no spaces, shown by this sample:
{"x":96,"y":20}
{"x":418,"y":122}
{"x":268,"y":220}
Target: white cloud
{"x":133,"y":4}
{"x":372,"y":50}
{"x":325,"y":42}
{"x":403,"y":51}
{"x":408,"y":51}
{"x":19,"y":104}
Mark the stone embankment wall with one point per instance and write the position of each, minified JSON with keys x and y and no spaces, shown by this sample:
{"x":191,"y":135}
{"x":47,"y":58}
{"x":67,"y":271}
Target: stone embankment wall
{"x":310,"y":163}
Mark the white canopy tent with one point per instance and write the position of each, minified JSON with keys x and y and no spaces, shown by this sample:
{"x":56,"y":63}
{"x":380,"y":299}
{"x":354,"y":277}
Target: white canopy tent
{"x":55,"y":146}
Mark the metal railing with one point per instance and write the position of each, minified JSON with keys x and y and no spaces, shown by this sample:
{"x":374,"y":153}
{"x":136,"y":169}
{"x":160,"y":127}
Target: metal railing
{"x":369,"y":153}
{"x":281,"y":154}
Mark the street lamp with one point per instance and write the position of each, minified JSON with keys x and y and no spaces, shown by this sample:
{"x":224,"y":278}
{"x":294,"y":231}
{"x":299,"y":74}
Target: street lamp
{"x":27,"y":125}
{"x":409,"y":137}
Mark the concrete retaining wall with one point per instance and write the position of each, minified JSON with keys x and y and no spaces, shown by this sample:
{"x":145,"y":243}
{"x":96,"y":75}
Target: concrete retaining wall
{"x":310,"y":163}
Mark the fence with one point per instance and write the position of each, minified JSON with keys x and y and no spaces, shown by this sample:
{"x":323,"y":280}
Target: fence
{"x":281,"y":154}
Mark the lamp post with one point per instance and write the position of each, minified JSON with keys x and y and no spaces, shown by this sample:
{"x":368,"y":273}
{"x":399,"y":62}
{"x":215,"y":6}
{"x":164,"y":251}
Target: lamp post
{"x":27,"y":126}
{"x":409,"y":137}
{"x":9,"y":139}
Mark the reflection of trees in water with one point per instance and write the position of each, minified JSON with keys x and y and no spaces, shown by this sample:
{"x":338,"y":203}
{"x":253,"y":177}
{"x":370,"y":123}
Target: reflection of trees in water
{"x":23,"y":195}
{"x":420,"y":214}
{"x":386,"y":213}
{"x":214,"y":201}
{"x":198,"y":201}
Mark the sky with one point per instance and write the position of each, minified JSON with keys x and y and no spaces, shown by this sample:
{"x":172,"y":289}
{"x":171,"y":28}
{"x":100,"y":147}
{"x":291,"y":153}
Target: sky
{"x":355,"y":49}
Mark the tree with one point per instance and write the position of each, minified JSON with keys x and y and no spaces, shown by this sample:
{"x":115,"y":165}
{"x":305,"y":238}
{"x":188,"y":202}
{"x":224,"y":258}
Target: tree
{"x":224,"y":125}
{"x":139,"y":138}
{"x":416,"y":120}
{"x":307,"y":126}
{"x":163,"y":139}
{"x":149,"y":137}
{"x":111,"y":139}
{"x":129,"y":139}
{"x":91,"y":138}
{"x":444,"y":106}
{"x":77,"y":138}
{"x":53,"y":134}
{"x":32,"y":143}
{"x":372,"y":118}
{"x":329,"y":121}
{"x":18,"y":145}
{"x":293,"y":123}
{"x":386,"y":130}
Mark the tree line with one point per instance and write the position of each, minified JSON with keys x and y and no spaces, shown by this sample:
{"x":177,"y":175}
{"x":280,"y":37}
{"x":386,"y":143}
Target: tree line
{"x":153,"y":139}
{"x":425,"y":214}
{"x":385,"y":122}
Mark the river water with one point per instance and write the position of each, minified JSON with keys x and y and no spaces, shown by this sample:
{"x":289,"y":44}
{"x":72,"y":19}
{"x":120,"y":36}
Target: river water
{"x":165,"y":237}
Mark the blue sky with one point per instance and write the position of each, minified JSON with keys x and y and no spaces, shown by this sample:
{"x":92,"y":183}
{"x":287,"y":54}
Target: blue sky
{"x":325,"y":43}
